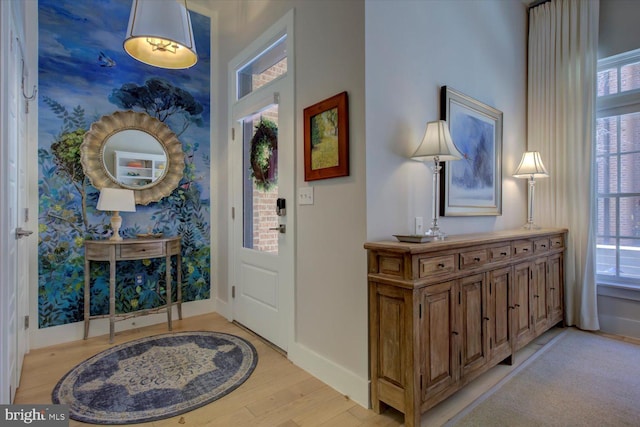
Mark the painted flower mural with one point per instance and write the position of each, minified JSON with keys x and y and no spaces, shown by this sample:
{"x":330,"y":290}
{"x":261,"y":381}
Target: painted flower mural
{"x":84,"y":74}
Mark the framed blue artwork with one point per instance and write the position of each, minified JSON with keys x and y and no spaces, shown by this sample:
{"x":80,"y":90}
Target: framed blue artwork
{"x":472,"y":186}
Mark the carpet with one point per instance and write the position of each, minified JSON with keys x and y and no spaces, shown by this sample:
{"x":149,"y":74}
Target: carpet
{"x":580,"y":379}
{"x":155,"y":377}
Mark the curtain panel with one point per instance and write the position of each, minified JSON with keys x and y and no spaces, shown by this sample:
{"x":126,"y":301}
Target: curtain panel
{"x":562,"y":69}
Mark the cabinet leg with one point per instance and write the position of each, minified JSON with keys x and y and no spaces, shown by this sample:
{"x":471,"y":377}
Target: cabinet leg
{"x":508,"y":360}
{"x":412,"y":419}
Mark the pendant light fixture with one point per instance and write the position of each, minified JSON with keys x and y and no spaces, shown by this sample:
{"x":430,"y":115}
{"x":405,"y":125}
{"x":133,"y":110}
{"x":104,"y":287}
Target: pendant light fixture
{"x":160,"y":34}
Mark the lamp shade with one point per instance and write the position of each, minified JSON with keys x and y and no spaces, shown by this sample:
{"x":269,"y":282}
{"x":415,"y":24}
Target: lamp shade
{"x":531,"y":166}
{"x":160,"y":34}
{"x":437,"y":142}
{"x":116,"y":200}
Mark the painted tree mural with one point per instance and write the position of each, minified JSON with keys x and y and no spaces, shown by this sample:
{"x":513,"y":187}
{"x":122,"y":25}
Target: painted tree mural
{"x":71,"y":86}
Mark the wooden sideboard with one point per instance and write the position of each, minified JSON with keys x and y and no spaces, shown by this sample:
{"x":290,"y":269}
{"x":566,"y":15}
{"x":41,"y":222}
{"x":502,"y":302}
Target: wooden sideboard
{"x":442,"y":313}
{"x":113,"y":251}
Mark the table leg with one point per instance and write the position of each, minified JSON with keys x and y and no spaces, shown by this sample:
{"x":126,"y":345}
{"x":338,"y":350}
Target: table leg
{"x":112,"y":298}
{"x":179,"y":278}
{"x":87,"y":297}
{"x":168,"y":279}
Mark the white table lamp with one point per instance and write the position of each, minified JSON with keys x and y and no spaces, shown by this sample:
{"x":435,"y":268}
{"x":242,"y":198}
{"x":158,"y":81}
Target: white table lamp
{"x":436,"y":146}
{"x":531,"y":167}
{"x":116,"y":200}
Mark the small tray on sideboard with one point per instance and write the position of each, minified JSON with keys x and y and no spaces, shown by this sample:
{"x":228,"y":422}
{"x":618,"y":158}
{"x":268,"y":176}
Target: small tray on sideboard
{"x":413,"y":238}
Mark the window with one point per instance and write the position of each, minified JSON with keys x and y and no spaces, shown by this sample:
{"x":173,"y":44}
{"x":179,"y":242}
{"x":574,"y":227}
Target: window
{"x":618,"y":169}
{"x":266,"y":67}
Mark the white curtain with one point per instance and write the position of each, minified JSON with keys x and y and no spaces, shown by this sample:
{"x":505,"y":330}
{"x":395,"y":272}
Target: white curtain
{"x":563,"y":45}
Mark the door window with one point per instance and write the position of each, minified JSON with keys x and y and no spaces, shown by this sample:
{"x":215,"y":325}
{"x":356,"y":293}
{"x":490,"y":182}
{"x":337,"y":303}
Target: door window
{"x":260,"y":180}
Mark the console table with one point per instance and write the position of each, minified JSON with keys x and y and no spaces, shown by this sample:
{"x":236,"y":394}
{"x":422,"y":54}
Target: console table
{"x":128,"y":250}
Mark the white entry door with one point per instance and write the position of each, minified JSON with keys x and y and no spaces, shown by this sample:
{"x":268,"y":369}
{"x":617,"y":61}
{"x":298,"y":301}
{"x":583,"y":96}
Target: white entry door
{"x":262,"y":168}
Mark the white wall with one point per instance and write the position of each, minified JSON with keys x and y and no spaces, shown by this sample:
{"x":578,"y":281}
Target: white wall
{"x":413,"y":48}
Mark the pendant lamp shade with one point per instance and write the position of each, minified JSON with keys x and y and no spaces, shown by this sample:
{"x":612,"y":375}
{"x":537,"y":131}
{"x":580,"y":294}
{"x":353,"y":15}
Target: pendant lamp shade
{"x":160,"y":34}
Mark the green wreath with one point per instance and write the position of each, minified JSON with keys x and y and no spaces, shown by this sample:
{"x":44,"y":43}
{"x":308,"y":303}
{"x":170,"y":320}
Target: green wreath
{"x":264,"y":148}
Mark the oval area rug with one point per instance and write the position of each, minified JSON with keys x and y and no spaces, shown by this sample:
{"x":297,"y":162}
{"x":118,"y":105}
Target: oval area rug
{"x":156,"y":377}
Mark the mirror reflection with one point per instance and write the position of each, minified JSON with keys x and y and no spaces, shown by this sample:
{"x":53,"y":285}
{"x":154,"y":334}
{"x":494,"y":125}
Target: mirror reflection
{"x":134,"y":169}
{"x":133,"y":150}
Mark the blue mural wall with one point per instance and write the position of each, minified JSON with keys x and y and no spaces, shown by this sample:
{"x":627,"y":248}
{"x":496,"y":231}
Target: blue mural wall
{"x":84,"y":73}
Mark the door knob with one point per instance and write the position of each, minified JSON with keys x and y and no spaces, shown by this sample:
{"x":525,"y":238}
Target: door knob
{"x":281,"y":228}
{"x":20,"y":233}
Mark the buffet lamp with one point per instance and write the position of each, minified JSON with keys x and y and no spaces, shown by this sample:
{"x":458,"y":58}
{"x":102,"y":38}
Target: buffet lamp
{"x":436,"y":146}
{"x":160,"y":34}
{"x":116,"y":200}
{"x":531,"y":167}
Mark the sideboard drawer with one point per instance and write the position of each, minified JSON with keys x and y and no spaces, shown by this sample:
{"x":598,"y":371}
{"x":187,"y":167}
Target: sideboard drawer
{"x":541,"y":245}
{"x":472,"y":259}
{"x":556,"y":242}
{"x":522,"y":247}
{"x":140,"y":250}
{"x":499,"y":253}
{"x":437,"y":265}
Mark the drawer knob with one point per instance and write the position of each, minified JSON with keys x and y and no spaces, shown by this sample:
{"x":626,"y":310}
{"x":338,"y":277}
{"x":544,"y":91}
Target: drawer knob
{"x":544,"y":246}
{"x":476,"y":259}
{"x":503,"y":254}
{"x":525,"y":249}
{"x":441,"y":265}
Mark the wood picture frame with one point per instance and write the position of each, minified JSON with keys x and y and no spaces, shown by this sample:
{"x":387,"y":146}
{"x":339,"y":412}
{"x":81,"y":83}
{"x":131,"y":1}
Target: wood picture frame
{"x":471,"y":186}
{"x":326,"y":138}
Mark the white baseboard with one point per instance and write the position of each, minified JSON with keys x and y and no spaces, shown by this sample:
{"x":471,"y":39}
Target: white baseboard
{"x":619,"y":326}
{"x":343,"y":380}
{"x":223,"y":308}
{"x":53,"y":335}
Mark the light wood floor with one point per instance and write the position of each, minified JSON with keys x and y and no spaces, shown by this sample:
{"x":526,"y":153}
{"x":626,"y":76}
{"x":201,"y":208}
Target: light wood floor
{"x":277,"y":393}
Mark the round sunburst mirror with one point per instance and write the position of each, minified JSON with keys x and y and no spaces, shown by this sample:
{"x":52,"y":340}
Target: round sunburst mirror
{"x":133,"y":150}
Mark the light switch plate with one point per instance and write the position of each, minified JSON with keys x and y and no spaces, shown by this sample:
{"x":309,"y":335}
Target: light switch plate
{"x":419,"y":226}
{"x":305,"y":195}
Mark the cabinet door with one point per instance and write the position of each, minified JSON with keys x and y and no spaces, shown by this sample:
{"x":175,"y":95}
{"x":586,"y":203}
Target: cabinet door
{"x":474,"y":337}
{"x":555,"y":297}
{"x":540,"y":309}
{"x":498,"y":313}
{"x":521,"y":306}
{"x":438,"y":329}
